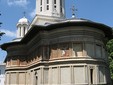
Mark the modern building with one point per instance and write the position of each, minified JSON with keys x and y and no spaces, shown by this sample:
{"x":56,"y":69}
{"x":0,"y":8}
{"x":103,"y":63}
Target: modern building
{"x":56,"y":50}
{"x":2,"y":74}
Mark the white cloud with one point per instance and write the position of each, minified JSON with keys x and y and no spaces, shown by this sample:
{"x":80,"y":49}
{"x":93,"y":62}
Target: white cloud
{"x":33,"y":13}
{"x":22,"y":3}
{"x":8,"y":33}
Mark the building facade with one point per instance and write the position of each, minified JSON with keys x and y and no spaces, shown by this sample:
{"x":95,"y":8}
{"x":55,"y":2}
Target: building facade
{"x":65,"y":52}
{"x":2,"y":74}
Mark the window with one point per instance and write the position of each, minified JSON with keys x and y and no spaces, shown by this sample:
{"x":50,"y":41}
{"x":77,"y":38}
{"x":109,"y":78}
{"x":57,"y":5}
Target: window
{"x":91,"y":73}
{"x":36,"y":78}
{"x":64,"y":50}
{"x":54,"y":1}
{"x":91,"y":76}
{"x":40,"y":5}
{"x":40,"y":2}
{"x":61,"y":6}
{"x":54,"y":51}
{"x":78,"y":49}
{"x":89,"y":47}
{"x":47,"y":7}
{"x":47,"y":1}
{"x":98,"y":51}
{"x":55,"y":4}
{"x":0,"y":72}
{"x":41,"y":9}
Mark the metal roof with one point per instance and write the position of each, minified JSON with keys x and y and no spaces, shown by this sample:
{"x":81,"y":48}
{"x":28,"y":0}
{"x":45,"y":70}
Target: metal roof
{"x":67,"y":23}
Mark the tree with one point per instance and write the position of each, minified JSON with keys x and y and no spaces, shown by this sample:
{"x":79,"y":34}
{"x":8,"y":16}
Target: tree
{"x":110,"y":53}
{"x":1,"y":33}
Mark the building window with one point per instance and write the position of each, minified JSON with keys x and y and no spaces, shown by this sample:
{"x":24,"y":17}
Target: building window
{"x":63,"y":50}
{"x":91,"y":69}
{"x":54,"y":51}
{"x":40,"y":2}
{"x":61,"y":6}
{"x":0,"y":72}
{"x":78,"y":49}
{"x":98,"y":51}
{"x":36,"y":78}
{"x":40,"y":5}
{"x":47,"y":7}
{"x":54,"y":1}
{"x":47,"y":1}
{"x":55,"y":4}
{"x":91,"y":76}
{"x":89,"y":47}
{"x":41,"y":9}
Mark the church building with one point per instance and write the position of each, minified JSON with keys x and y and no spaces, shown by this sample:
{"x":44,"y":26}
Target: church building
{"x":54,"y":50}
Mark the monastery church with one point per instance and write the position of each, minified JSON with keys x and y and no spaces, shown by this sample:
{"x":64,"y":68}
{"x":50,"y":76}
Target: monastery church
{"x":54,"y":50}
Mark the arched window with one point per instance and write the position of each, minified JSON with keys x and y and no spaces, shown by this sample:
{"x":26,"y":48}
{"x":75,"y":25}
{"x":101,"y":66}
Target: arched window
{"x":40,"y":8}
{"x":61,"y":6}
{"x":47,"y":1}
{"x":40,"y":5}
{"x":40,"y":2}
{"x":55,"y":4}
{"x":47,"y":6}
{"x":54,"y":1}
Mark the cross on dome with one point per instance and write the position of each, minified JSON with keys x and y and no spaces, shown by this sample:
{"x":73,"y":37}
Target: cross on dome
{"x":22,"y":26}
{"x":73,"y":9}
{"x":24,"y":13}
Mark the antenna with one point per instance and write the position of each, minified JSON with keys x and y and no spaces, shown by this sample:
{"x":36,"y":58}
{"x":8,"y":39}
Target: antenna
{"x":73,"y":9}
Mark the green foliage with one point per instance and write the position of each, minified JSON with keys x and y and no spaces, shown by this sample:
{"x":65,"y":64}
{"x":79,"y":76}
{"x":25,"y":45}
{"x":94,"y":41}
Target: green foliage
{"x":110,"y":52}
{"x":1,"y":33}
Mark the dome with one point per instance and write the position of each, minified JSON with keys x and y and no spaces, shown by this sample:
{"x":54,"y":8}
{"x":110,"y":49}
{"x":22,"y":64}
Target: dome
{"x":23,"y":21}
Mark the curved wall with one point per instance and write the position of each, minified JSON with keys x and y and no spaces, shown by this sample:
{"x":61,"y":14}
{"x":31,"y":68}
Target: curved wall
{"x":70,"y":55}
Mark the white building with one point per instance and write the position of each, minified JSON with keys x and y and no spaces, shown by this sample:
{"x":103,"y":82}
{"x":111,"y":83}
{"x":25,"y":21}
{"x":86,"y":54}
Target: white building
{"x":2,"y":74}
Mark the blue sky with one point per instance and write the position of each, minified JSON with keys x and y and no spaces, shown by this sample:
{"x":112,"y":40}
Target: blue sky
{"x":12,"y":10}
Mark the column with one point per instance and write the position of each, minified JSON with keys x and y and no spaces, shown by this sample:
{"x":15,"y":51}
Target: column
{"x":42,"y":75}
{"x":26,"y":30}
{"x":58,"y":4}
{"x":18,"y":32}
{"x":72,"y":75}
{"x":63,"y":8}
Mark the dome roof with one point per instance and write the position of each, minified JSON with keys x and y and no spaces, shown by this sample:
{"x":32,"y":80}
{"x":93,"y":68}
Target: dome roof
{"x":23,"y":20}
